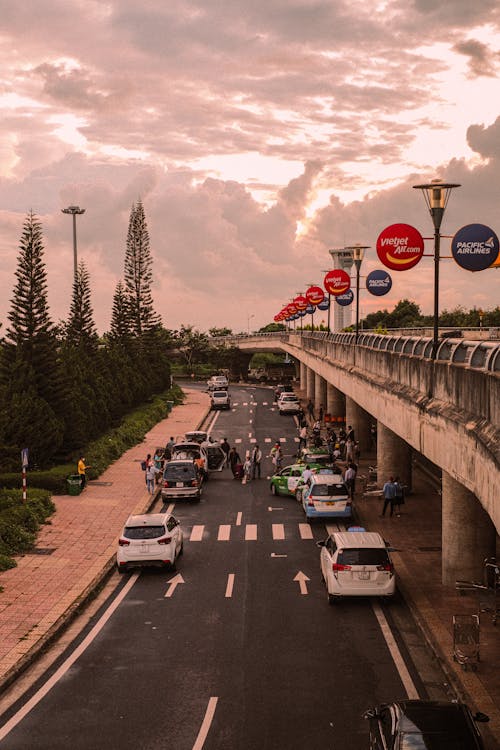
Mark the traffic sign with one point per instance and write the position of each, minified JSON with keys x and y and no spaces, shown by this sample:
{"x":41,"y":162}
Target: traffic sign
{"x":475,"y":247}
{"x":400,"y":247}
{"x":24,"y":458}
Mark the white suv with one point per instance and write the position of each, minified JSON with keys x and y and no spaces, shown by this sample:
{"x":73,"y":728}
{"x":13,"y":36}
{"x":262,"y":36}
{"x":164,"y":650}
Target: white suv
{"x":220,"y":400}
{"x":356,"y":563}
{"x":288,"y":403}
{"x":218,"y":382}
{"x":151,"y":539}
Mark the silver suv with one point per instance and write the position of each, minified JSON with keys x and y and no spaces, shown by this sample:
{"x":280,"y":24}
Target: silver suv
{"x":220,"y":400}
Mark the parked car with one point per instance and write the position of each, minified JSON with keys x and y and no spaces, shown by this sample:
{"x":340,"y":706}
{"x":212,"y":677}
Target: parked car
{"x":196,"y":436}
{"x":152,"y":539}
{"x":220,"y":400}
{"x":325,"y":496}
{"x":285,"y":481}
{"x":181,"y":479}
{"x":422,"y":724}
{"x":356,"y":563}
{"x":212,"y":455}
{"x":288,"y":403}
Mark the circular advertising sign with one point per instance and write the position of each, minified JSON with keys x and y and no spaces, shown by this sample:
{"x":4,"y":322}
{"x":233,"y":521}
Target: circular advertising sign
{"x":310,"y":309}
{"x":324,"y":305}
{"x":337,"y":282}
{"x":400,"y":247}
{"x":345,"y":299}
{"x":300,"y":302}
{"x":315,"y":295}
{"x":302,"y":313}
{"x":378,"y":283}
{"x":292,"y":308}
{"x":475,"y":247}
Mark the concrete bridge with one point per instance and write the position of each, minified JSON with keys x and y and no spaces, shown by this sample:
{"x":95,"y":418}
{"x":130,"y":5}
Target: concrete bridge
{"x":448,"y":410}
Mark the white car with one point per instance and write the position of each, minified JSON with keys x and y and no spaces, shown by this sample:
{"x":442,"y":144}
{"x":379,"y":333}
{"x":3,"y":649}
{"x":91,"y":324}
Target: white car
{"x":288,"y":403}
{"x":151,"y":539}
{"x":220,"y":400}
{"x":356,"y":563}
{"x":218,"y":382}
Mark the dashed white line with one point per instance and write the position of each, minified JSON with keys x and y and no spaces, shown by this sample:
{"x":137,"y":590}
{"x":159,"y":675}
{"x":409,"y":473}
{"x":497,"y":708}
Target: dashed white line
{"x":251,"y":532}
{"x":238,"y":518}
{"x":305,"y":531}
{"x":278,"y":531}
{"x":196,"y":533}
{"x":224,"y":533}
{"x":229,"y":586}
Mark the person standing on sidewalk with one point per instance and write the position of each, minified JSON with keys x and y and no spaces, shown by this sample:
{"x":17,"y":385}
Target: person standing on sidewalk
{"x":389,"y":493}
{"x":256,"y":460}
{"x":151,"y":472}
{"x":399,"y":496}
{"x":350,"y":479}
{"x":82,"y":468}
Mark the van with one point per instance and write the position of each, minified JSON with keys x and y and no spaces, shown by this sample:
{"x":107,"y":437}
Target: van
{"x":356,"y":563}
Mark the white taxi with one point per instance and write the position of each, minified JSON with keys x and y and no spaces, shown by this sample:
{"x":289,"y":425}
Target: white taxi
{"x":325,"y":496}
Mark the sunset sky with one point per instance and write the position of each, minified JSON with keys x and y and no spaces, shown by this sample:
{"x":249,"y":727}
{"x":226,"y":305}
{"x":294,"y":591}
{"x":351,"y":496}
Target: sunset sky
{"x":257,"y":134}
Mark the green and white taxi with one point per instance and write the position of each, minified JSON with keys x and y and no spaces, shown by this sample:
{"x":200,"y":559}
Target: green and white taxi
{"x":285,"y":481}
{"x":315,"y":456}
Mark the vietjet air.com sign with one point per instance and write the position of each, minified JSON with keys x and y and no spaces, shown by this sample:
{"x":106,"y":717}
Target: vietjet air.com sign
{"x":400,"y":247}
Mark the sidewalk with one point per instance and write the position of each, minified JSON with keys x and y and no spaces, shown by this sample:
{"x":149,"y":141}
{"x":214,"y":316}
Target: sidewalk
{"x":77,"y":549}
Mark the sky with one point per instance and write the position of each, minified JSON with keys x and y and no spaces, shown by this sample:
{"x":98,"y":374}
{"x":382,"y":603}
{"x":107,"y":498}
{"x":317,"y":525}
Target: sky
{"x":257,"y":135}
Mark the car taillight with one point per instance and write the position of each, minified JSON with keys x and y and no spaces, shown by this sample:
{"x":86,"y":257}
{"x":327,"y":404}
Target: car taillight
{"x":310,"y":503}
{"x":166,"y":484}
{"x":194,"y":483}
{"x":338,"y":566}
{"x":389,"y":567}
{"x":165,"y":540}
{"x":123,"y":542}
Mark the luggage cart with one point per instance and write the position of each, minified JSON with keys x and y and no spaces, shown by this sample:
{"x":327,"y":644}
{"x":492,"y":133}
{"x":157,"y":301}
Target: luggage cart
{"x":466,"y":641}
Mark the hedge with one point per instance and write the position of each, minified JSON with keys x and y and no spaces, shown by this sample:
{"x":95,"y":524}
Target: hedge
{"x":20,"y":522}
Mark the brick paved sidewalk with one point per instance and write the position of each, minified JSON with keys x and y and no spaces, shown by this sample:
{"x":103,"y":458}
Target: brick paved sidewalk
{"x":42,"y":593}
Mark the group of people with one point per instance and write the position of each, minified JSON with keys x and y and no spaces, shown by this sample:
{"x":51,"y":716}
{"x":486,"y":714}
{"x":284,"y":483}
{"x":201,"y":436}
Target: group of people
{"x":394,"y":496}
{"x":249,"y":468}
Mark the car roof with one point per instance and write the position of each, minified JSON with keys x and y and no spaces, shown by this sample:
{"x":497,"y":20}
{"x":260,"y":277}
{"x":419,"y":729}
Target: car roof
{"x":356,"y":539}
{"x":149,"y":519}
{"x":179,"y":462}
{"x":326,"y":478}
{"x":433,"y":717}
{"x":187,"y":444}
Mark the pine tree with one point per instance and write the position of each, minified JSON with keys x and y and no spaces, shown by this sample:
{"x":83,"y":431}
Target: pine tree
{"x":139,"y":274}
{"x":81,"y":330}
{"x":120,"y":328}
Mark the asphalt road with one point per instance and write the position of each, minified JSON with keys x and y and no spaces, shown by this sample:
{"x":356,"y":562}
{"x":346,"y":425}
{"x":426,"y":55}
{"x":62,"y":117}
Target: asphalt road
{"x":237,"y":655}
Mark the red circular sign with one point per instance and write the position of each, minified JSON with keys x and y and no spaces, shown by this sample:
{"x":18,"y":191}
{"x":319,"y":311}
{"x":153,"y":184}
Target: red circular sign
{"x":315,"y":295}
{"x":337,"y":282}
{"x":300,"y":303}
{"x":400,"y":247}
{"x":292,"y":308}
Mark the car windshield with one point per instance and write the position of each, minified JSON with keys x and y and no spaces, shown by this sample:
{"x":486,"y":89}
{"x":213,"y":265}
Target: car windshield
{"x":329,"y":490}
{"x":436,"y":741}
{"x":220,"y":394}
{"x":317,"y":458}
{"x":179,"y":473}
{"x":143,"y":532}
{"x":363,"y":556}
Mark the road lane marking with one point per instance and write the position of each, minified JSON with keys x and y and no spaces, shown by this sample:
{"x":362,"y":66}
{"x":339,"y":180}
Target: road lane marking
{"x":245,"y":403}
{"x":250,"y":433}
{"x":282,"y":440}
{"x":196,"y":533}
{"x":271,"y":509}
{"x":253,"y":440}
{"x":224,"y":533}
{"x":229,"y":586}
{"x":296,"y":440}
{"x":172,"y":585}
{"x":68,"y":663}
{"x":302,"y":580}
{"x":264,"y":403}
{"x":278,"y":531}
{"x":206,"y":724}
{"x":170,"y":508}
{"x":267,"y":440}
{"x":238,"y":518}
{"x":398,"y":660}
{"x":212,"y":423}
{"x":238,"y":440}
{"x":305,"y":531}
{"x":274,"y":554}
{"x":251,"y":532}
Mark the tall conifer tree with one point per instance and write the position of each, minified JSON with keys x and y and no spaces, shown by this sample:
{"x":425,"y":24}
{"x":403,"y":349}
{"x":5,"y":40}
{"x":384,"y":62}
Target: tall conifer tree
{"x":81,"y":330}
{"x":120,"y":328}
{"x":139,"y":274}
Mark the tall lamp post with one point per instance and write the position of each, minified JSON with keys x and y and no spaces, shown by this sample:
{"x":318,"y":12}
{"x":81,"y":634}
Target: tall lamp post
{"x":329,"y":302}
{"x":249,"y":318}
{"x":358,"y":253}
{"x":436,"y":195}
{"x":74,"y":211}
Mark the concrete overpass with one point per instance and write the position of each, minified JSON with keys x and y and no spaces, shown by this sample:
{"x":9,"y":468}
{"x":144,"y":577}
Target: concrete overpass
{"x":448,"y":410}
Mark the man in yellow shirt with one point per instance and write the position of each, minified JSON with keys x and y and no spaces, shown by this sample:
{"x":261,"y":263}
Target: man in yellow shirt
{"x":81,"y":471}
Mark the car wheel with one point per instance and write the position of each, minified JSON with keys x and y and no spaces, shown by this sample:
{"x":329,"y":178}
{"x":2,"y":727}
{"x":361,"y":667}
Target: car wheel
{"x":181,"y":551}
{"x":274,"y":491}
{"x":333,"y":599}
{"x":122,"y":569}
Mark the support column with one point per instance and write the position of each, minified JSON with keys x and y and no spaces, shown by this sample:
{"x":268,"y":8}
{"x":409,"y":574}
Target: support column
{"x":303,"y":376}
{"x":335,"y":401}
{"x":319,"y":393}
{"x":468,"y":533}
{"x":360,"y":421}
{"x":310,"y":383}
{"x":393,"y":457}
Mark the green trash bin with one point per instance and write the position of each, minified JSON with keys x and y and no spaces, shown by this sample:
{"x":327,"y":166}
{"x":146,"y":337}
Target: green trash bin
{"x":170,"y":405}
{"x":74,"y":484}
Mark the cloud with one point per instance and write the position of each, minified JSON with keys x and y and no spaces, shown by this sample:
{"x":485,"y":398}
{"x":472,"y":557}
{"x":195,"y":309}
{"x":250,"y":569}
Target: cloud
{"x":481,"y":60}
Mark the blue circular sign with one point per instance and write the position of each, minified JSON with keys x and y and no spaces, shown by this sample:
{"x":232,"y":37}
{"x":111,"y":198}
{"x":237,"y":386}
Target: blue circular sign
{"x":324,"y":305}
{"x":378,"y":283}
{"x":310,"y":309}
{"x":301,"y":313}
{"x":475,"y":247}
{"x":345,"y":299}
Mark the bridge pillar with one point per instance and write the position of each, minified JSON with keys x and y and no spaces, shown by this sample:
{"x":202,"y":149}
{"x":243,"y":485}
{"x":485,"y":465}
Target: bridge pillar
{"x":393,"y":457}
{"x":310,"y":383}
{"x":335,"y":401}
{"x":319,"y":392}
{"x":360,"y":420}
{"x":303,"y":376}
{"x":468,"y":534}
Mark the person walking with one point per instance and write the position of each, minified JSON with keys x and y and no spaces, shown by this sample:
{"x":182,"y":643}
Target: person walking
{"x":226,"y":448}
{"x":168,"y":449}
{"x":349,"y":450}
{"x":234,"y":460}
{"x":277,"y":457}
{"x":256,"y":461}
{"x":302,"y":437}
{"x":247,"y":469}
{"x":389,"y":493}
{"x":82,"y":468}
{"x":151,"y":472}
{"x":350,"y":479}
{"x":399,"y":496}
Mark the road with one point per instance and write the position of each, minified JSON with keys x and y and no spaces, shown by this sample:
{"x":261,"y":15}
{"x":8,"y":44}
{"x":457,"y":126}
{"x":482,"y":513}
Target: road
{"x":238,"y":649}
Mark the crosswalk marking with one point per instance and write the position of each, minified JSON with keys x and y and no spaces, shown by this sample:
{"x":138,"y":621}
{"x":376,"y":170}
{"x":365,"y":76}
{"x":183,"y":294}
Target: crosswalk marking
{"x":278,"y":531}
{"x":297,"y":440}
{"x":238,"y":518}
{"x":196,"y":534}
{"x":224,"y":533}
{"x":267,"y":440}
{"x":245,"y":403}
{"x":282,"y":440}
{"x":305,"y":531}
{"x":253,"y":440}
{"x":238,"y":440}
{"x":251,"y":532}
{"x":264,"y":403}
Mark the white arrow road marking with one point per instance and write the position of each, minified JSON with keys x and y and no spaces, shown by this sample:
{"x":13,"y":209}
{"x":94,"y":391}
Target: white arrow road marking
{"x":271,"y":509}
{"x":230,"y":584}
{"x":172,"y":585}
{"x":302,"y":579}
{"x":206,"y":724}
{"x":274,"y":554}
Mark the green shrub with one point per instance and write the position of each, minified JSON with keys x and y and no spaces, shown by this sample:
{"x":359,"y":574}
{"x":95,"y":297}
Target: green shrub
{"x":20,"y":521}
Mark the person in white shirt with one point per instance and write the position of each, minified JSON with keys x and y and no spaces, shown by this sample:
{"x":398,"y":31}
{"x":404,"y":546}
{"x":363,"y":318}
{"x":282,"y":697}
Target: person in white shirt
{"x":306,"y":474}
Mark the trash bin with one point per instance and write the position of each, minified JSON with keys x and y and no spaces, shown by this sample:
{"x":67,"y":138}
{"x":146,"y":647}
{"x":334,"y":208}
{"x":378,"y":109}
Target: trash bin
{"x":74,"y":484}
{"x":170,"y":405}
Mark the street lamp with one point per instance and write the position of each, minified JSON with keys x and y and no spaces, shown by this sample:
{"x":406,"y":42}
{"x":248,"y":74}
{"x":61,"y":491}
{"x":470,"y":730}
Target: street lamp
{"x":358,"y":253}
{"x":329,"y":301}
{"x":249,"y":318}
{"x":436,"y":195}
{"x":74,"y":211}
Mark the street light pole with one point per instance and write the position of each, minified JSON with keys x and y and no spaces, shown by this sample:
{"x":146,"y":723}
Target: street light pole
{"x":436,"y":195}
{"x":358,"y":253}
{"x":329,"y":302}
{"x":74,"y":211}
{"x":249,"y":318}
